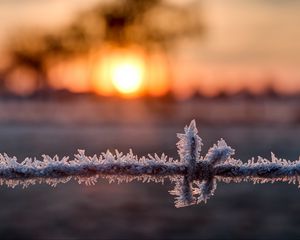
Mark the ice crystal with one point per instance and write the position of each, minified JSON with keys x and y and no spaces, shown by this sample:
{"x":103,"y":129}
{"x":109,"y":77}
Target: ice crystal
{"x":195,"y":176}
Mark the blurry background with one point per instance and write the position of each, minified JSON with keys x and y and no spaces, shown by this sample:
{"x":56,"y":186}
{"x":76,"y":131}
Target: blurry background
{"x":107,"y":74}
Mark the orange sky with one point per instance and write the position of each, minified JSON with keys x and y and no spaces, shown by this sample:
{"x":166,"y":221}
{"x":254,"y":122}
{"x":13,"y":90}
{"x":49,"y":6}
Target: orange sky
{"x":129,"y":71}
{"x":246,"y":42}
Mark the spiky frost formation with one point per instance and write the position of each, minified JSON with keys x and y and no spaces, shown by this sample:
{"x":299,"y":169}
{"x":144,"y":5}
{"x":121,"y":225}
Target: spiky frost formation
{"x":116,"y":167}
{"x":216,"y":155}
{"x":195,"y":177}
{"x":189,"y":148}
{"x":219,"y":153}
{"x":259,"y":171}
{"x":184,"y":193}
{"x":189,"y":145}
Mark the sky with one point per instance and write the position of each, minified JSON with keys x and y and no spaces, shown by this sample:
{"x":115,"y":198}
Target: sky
{"x":253,"y":31}
{"x":249,"y":36}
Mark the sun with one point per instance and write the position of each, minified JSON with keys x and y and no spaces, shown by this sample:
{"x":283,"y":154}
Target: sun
{"x":127,"y":77}
{"x":129,"y":72}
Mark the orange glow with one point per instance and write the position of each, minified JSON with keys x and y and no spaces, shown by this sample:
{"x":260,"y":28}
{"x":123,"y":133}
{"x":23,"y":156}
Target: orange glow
{"x":71,"y":75}
{"x":120,"y":70}
{"x":112,"y":71}
{"x":127,"y":77}
{"x":101,"y":82}
{"x":133,"y":72}
{"x":157,"y":73}
{"x":130,"y":72}
{"x":22,"y":81}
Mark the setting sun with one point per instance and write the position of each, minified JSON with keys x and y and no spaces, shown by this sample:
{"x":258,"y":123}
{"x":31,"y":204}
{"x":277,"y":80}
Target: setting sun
{"x":127,"y":77}
{"x":130,"y":72}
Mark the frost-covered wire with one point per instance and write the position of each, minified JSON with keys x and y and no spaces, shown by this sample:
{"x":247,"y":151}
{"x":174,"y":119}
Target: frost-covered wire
{"x":195,"y":176}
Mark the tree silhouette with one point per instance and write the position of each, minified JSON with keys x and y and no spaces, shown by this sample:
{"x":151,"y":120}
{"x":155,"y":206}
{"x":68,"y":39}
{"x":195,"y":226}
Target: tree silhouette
{"x":150,"y":24}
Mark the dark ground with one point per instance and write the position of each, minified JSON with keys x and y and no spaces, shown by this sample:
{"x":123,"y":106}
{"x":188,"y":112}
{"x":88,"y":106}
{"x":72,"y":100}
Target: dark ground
{"x":146,"y":211}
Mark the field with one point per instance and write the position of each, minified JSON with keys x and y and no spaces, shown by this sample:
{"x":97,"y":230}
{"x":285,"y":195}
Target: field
{"x":146,"y":211}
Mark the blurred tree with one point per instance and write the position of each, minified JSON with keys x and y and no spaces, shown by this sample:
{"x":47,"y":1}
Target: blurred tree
{"x":148,"y":23}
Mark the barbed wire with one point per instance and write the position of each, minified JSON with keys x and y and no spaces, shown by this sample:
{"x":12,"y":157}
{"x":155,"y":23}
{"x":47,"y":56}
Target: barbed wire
{"x":195,"y":176}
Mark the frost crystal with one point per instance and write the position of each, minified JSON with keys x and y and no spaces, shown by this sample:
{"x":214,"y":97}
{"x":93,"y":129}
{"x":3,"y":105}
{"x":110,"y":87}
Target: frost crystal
{"x":195,"y":177}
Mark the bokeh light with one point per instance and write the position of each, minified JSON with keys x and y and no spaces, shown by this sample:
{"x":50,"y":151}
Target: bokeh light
{"x":127,"y":77}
